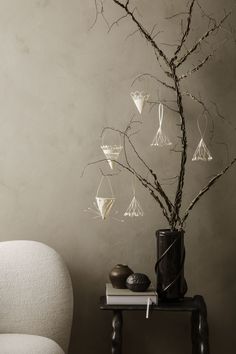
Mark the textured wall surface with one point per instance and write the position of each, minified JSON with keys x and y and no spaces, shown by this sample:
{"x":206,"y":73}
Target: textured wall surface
{"x":61,"y":83}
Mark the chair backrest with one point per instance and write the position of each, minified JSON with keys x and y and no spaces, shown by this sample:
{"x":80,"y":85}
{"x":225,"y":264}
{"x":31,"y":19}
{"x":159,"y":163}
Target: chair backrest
{"x":35,"y":291}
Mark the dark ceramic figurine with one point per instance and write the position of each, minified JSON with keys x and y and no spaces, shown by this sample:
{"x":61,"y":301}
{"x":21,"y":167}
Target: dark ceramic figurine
{"x":118,"y":276}
{"x":138,"y":282}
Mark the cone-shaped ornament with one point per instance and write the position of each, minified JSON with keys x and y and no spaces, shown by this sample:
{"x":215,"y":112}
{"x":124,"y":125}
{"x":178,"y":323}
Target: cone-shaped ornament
{"x":104,"y":205}
{"x":202,"y":153}
{"x":112,"y":153}
{"x":139,"y":99}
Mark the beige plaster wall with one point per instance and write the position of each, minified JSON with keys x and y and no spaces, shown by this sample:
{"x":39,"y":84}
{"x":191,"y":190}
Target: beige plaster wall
{"x":59,"y":85}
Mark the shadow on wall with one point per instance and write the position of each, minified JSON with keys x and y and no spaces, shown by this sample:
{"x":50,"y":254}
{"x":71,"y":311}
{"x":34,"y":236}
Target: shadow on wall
{"x":90,"y":330}
{"x":219,"y":275}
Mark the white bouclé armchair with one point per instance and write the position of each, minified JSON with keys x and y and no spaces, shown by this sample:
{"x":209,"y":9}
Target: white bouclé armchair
{"x":36,"y":299}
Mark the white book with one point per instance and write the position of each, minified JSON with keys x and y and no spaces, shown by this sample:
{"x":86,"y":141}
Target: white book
{"x":128,"y":297}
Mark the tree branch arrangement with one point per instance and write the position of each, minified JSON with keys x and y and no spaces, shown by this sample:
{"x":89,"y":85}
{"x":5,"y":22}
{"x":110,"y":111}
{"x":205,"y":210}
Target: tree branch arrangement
{"x":171,"y":67}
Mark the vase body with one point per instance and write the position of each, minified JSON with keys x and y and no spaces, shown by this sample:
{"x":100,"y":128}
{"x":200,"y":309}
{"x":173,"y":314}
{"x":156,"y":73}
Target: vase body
{"x":118,"y":276}
{"x":171,"y":284}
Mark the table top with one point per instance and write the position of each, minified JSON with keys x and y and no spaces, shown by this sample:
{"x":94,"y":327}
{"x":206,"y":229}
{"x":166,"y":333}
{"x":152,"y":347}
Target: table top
{"x":188,"y":304}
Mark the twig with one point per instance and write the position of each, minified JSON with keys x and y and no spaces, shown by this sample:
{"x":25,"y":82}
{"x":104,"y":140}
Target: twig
{"x":157,"y":186}
{"x":222,"y":117}
{"x":97,"y":13}
{"x":142,"y":30}
{"x":210,"y":18}
{"x":143,"y":181}
{"x":176,"y":15}
{"x":205,"y":189}
{"x":202,"y":38}
{"x":131,"y":34}
{"x":117,"y":22}
{"x":154,"y":103}
{"x":196,"y":68}
{"x":198,"y":100}
{"x":187,"y":30}
{"x":154,"y":78}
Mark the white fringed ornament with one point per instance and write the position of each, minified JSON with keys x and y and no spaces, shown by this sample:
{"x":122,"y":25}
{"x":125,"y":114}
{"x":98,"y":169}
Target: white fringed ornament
{"x":160,"y":139}
{"x":134,"y":209}
{"x":202,"y":153}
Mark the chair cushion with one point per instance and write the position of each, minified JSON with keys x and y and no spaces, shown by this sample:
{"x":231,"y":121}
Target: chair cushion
{"x":35,"y":291}
{"x":28,"y":344}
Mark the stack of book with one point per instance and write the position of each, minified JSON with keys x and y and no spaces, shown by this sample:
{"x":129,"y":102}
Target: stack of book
{"x":128,"y":297}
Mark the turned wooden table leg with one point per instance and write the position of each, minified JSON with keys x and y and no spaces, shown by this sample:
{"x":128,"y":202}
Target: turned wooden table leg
{"x":200,"y":332}
{"x":116,"y":338}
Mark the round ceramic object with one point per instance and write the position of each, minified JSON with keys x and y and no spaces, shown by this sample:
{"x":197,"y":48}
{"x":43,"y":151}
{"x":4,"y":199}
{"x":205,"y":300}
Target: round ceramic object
{"x":138,"y":282}
{"x":118,"y":276}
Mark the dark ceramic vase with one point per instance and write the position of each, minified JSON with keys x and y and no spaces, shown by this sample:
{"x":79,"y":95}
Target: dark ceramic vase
{"x":118,"y":276}
{"x":171,"y":284}
{"x":138,"y":282}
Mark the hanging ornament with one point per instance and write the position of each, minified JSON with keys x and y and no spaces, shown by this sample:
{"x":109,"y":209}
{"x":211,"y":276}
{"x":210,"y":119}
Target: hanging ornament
{"x":139,"y":99}
{"x":112,"y":153}
{"x":160,"y":138}
{"x":104,"y":204}
{"x":202,"y":153}
{"x":134,"y":208}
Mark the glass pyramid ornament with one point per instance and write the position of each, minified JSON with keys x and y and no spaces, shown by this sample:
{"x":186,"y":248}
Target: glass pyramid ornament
{"x":139,"y":99}
{"x":112,"y":153}
{"x":104,"y":204}
{"x":160,"y":139}
{"x":202,"y":153}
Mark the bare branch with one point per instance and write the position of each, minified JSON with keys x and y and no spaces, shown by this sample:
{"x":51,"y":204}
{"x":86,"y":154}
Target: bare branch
{"x":205,"y":14}
{"x":97,"y":13}
{"x":207,"y":110}
{"x":169,"y":44}
{"x":157,"y":186}
{"x":160,"y":64}
{"x":143,"y":181}
{"x":180,"y":185}
{"x":154,"y":103}
{"x":196,"y":68}
{"x":153,"y":28}
{"x":204,"y":36}
{"x":198,"y":100}
{"x":147,"y":35}
{"x":170,"y":210}
{"x":176,"y":15}
{"x":117,"y":22}
{"x":132,"y":34}
{"x":154,"y":78}
{"x":222,"y":117}
{"x":109,"y":174}
{"x":187,"y":30}
{"x":206,"y":188}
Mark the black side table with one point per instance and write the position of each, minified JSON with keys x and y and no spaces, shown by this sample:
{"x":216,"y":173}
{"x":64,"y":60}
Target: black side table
{"x":199,"y":326}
